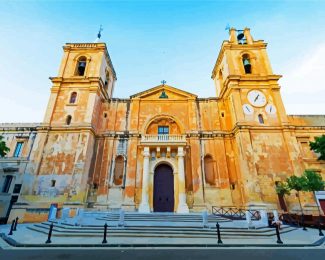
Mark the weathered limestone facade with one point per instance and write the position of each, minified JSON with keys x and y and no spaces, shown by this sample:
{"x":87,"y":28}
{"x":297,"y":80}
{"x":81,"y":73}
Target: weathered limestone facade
{"x":95,"y":151}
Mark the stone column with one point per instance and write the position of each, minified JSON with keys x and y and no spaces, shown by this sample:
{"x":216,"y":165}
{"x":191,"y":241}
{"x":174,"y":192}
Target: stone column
{"x":182,"y":206}
{"x":144,"y":205}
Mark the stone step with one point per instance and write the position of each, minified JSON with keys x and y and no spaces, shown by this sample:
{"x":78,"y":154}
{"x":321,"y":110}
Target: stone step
{"x":166,"y":219}
{"x":60,"y":230}
{"x":153,"y":235}
{"x":159,"y":217}
{"x":177,"y":228}
{"x":148,"y":215}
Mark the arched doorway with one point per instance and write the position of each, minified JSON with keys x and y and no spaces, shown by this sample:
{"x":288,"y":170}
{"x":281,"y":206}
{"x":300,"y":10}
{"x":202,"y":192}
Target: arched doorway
{"x":163,"y":191}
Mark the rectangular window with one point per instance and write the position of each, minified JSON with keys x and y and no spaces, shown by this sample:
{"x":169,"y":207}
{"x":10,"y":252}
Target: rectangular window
{"x":6,"y":185}
{"x":18,"y":149}
{"x":163,"y":130}
{"x":17,"y":188}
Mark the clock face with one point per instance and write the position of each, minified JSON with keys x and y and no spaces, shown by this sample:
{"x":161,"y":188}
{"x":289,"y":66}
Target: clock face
{"x":270,"y":109}
{"x":248,"y":109}
{"x":256,"y":98}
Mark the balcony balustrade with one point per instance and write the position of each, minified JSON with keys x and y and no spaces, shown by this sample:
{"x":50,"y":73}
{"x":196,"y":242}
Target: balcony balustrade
{"x":161,"y":139}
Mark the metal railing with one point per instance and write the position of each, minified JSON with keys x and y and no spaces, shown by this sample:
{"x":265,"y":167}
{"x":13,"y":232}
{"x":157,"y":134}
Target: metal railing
{"x":235,"y":212}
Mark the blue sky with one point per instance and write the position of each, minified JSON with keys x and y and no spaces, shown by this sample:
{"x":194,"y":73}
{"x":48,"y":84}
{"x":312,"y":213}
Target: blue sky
{"x":153,"y":40}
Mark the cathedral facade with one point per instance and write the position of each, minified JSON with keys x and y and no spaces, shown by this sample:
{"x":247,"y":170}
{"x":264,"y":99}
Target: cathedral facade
{"x":162,"y":149}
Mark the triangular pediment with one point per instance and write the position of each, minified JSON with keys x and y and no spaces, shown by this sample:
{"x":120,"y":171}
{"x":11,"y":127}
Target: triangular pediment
{"x":162,"y":92}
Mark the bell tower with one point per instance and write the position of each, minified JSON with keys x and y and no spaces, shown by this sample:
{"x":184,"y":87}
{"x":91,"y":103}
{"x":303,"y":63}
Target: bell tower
{"x":245,"y":82}
{"x":252,"y":113}
{"x":79,"y":95}
{"x":86,"y":77}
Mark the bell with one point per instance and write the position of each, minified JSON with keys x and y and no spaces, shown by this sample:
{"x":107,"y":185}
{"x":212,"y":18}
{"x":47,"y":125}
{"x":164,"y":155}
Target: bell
{"x":246,"y":62}
{"x":82,"y":64}
{"x":240,"y":36}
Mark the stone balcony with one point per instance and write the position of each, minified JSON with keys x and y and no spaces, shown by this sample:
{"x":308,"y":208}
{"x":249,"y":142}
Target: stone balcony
{"x":163,"y":140}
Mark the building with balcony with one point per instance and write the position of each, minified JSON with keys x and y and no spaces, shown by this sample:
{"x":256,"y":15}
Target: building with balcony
{"x":19,"y":138}
{"x":163,"y":149}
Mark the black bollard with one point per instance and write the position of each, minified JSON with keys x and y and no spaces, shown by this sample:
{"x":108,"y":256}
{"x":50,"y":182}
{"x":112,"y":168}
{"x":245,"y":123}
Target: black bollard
{"x":279,"y":241}
{"x":320,"y":229}
{"x":12,"y":227}
{"x":16,"y":222}
{"x":218,"y":232}
{"x":303,"y":222}
{"x":105,"y":233}
{"x":48,"y":241}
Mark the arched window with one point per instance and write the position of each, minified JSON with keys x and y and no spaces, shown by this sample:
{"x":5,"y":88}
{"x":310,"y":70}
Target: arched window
{"x":81,"y":66}
{"x":220,"y":76}
{"x":118,"y":170}
{"x":107,"y":80}
{"x":209,"y":170}
{"x":73,"y":97}
{"x":219,"y":82}
{"x":247,"y":64}
{"x":68,"y":120}
{"x":260,"y":119}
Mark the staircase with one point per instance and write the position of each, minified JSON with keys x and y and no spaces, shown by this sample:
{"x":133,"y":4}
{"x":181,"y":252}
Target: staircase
{"x":155,"y":225}
{"x":162,"y":218}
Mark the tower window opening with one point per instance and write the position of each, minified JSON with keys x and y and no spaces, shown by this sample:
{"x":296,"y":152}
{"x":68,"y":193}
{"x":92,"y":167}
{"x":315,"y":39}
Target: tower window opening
{"x":81,"y":66}
{"x":241,"y":37}
{"x":68,"y":120}
{"x":107,"y":80}
{"x":260,"y":119}
{"x":73,"y":97}
{"x":247,"y":64}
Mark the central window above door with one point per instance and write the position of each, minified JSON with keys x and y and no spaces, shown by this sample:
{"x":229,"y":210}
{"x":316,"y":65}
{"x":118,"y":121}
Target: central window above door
{"x":163,"y":130}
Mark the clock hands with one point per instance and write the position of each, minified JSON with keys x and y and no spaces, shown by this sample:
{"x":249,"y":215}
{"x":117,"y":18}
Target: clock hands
{"x":257,"y":98}
{"x":248,"y":109}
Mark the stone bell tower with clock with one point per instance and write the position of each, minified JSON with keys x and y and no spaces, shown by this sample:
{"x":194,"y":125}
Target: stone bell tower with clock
{"x":254,"y":116}
{"x":244,"y":80}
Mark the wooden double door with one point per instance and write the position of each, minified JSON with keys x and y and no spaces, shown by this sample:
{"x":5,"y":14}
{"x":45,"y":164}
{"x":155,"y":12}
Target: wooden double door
{"x":163,"y":191}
